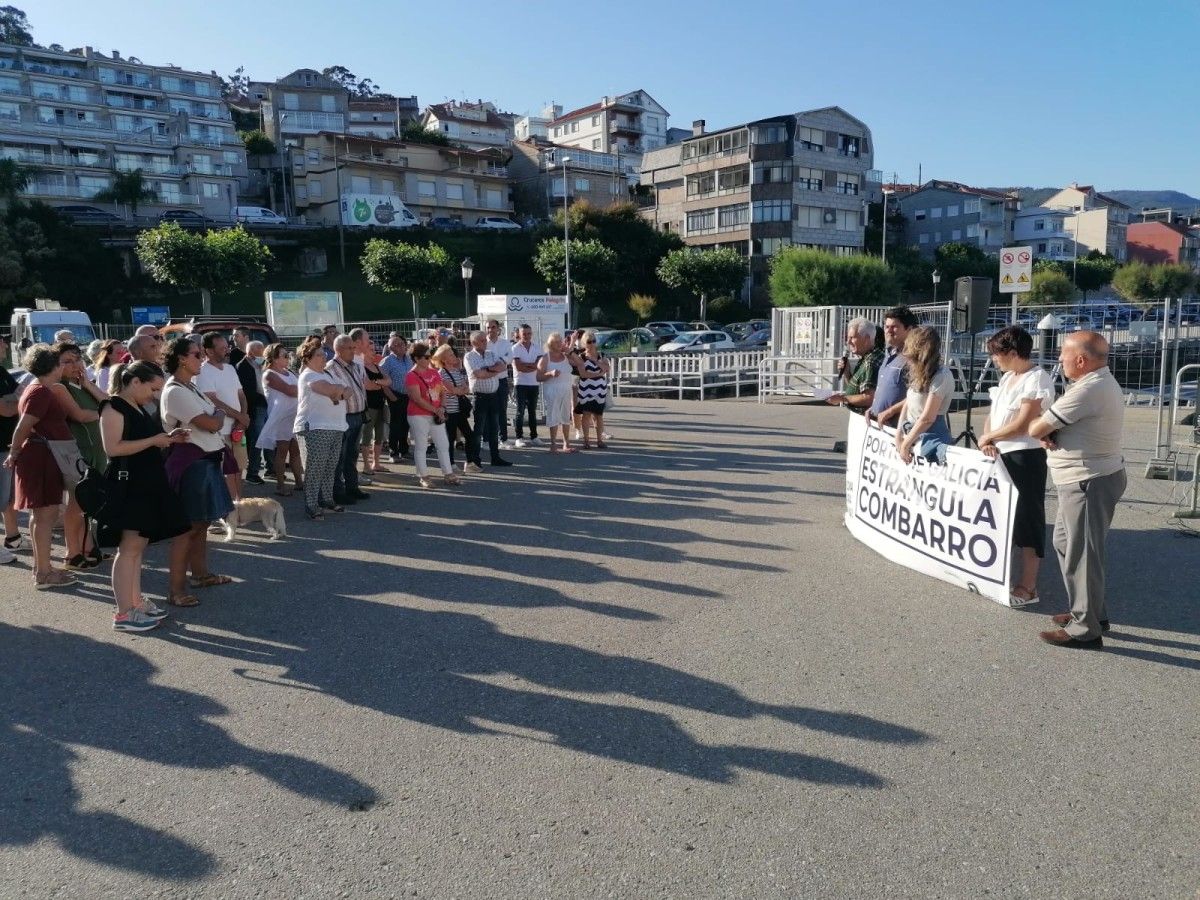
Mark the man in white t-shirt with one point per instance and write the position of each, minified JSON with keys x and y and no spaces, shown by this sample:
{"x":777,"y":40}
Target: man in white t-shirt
{"x":525,"y":355}
{"x":219,"y":381}
{"x":501,"y":349}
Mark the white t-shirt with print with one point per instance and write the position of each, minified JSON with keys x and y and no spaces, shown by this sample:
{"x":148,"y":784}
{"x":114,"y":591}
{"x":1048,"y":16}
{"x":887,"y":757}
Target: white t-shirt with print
{"x":531,"y":356}
{"x":223,"y":382}
{"x":180,"y":404}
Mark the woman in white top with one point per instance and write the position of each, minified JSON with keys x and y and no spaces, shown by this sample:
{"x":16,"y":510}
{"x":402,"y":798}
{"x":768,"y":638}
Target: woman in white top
{"x":278,"y":433}
{"x":194,"y":470}
{"x":319,"y":424}
{"x":923,"y":424}
{"x":1026,"y":390}
{"x":554,"y":373}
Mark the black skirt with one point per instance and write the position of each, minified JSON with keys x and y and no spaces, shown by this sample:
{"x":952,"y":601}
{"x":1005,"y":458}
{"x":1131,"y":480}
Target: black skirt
{"x":1027,"y":469}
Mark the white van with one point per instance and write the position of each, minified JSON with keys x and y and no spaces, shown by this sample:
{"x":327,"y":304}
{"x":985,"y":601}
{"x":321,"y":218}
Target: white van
{"x":258,"y":215}
{"x":38,"y":326}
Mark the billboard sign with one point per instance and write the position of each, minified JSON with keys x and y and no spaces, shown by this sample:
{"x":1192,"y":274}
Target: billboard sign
{"x":380,"y":210}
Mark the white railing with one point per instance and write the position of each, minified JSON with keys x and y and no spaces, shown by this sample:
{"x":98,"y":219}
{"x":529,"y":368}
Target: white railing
{"x":796,"y":376}
{"x":686,"y":373}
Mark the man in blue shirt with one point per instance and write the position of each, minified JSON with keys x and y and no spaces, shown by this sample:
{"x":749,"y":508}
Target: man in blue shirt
{"x":892,"y":384}
{"x":396,"y":364}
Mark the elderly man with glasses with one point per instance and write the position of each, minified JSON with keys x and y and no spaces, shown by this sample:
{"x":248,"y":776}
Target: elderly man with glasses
{"x":501,"y":348}
{"x":349,"y":373}
{"x":483,"y":370}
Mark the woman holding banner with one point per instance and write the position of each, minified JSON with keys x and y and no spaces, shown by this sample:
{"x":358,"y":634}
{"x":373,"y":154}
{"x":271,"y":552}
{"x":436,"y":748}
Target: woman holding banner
{"x":1025,"y":392}
{"x":923,"y":424}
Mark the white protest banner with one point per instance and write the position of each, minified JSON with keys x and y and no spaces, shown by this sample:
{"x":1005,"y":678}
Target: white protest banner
{"x":952,"y":521}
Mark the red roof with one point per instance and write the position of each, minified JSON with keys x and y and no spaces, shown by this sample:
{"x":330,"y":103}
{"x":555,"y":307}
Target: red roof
{"x":965,"y":189}
{"x":582,"y":111}
{"x":442,"y":112}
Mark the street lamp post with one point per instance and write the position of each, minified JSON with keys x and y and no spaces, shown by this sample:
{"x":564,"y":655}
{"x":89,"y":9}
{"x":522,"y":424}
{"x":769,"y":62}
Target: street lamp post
{"x":282,"y":176}
{"x":883,"y":248}
{"x":937,"y":279}
{"x":468,"y":269}
{"x":567,"y":238}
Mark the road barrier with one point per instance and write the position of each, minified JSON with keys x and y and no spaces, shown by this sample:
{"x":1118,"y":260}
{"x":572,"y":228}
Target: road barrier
{"x":686,"y":374}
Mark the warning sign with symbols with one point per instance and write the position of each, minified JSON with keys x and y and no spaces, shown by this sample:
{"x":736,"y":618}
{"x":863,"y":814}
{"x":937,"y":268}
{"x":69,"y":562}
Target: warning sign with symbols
{"x":1016,"y":270}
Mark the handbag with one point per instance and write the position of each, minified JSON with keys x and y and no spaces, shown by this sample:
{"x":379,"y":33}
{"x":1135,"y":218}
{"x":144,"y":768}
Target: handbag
{"x":67,"y":457}
{"x":98,"y":494}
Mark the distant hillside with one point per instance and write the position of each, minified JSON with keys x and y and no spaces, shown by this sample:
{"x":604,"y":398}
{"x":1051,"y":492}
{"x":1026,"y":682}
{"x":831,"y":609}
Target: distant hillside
{"x":1135,"y":200}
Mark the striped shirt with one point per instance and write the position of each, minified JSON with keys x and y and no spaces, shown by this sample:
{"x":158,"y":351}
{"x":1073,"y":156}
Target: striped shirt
{"x":350,"y":376}
{"x":457,"y":379}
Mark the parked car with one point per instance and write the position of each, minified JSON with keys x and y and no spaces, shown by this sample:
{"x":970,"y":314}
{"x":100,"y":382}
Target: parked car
{"x":695,"y":341}
{"x":756,"y":340}
{"x":742,"y":330}
{"x":496,"y":223}
{"x":612,"y":341}
{"x":672,"y":328}
{"x":88,"y":215}
{"x":702,"y":325}
{"x":186,"y":218}
{"x":649,"y":338}
{"x":258,"y":215}
{"x":257,"y":326}
{"x":445,"y":223}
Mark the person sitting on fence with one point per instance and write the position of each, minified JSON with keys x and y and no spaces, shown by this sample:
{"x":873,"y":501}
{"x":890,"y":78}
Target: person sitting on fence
{"x":859,"y":392}
{"x":923,"y":424}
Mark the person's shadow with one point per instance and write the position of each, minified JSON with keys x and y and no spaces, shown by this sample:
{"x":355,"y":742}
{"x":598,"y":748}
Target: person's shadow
{"x":61,"y":691}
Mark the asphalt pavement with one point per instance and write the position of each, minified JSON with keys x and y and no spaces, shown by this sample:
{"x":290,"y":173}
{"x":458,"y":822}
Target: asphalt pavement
{"x":661,"y":670}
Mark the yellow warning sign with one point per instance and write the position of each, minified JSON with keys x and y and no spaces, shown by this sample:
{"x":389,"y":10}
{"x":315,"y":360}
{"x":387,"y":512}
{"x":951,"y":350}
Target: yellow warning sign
{"x":1007,"y":279}
{"x":1022,"y":279}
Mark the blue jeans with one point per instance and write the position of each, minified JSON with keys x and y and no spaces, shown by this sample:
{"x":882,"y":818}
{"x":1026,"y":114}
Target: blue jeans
{"x":932,"y":444}
{"x":487,"y":420}
{"x":527,"y":400}
{"x":254,"y":456}
{"x":345,"y":478}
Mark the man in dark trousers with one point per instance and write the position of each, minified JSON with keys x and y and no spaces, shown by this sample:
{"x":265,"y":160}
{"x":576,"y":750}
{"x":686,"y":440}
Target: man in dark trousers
{"x":249,"y":372}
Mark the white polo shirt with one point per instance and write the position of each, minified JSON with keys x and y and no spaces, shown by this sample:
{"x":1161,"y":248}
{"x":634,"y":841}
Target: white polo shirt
{"x":502,"y":350}
{"x":223,"y":382}
{"x":530,"y":355}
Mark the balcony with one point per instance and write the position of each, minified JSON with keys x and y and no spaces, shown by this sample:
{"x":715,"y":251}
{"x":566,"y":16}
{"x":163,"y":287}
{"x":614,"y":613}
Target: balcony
{"x":35,"y":189}
{"x":149,"y":168}
{"x":118,"y":102}
{"x":218,"y":169}
{"x":631,"y":126}
{"x":300,"y":121}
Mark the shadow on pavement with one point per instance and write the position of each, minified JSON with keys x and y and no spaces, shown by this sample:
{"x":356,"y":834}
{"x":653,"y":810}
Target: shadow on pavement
{"x":62,"y":692}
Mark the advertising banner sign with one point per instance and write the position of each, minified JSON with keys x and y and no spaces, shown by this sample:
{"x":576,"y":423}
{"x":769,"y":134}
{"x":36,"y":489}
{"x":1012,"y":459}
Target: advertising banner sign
{"x":150,"y":315}
{"x":302,"y":311}
{"x":503,"y":304}
{"x":952,"y":522}
{"x":384,"y":210}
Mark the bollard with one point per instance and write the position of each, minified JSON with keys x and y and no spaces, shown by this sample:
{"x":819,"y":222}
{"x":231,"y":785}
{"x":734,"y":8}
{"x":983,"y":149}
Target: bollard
{"x":1047,"y":330}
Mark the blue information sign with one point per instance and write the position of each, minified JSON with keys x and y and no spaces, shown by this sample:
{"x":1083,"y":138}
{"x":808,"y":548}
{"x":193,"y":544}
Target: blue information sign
{"x":150,"y":315}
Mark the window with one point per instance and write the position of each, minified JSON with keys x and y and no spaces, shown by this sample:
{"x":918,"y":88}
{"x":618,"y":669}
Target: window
{"x":810,"y":217}
{"x":10,"y":85}
{"x":701,"y":185}
{"x":771,"y":246}
{"x":454,"y":192}
{"x":770,"y":134}
{"x":956,"y":235}
{"x":701,"y":221}
{"x":574,"y":127}
{"x":1041,"y":247}
{"x":316,"y":189}
{"x":935,"y":213}
{"x":970,"y":206}
{"x":848,"y":145}
{"x":556,"y":131}
{"x":212,"y":190}
{"x":231,"y":157}
{"x":495,"y":200}
{"x":847,"y":219}
{"x":774,"y":173}
{"x":77,"y":94}
{"x":923,"y":239}
{"x":583,"y":184}
{"x":732,"y":217}
{"x":952,"y":211}
{"x":312,"y":156}
{"x":90,"y":185}
{"x":717,"y":145}
{"x":595,"y":143}
{"x":847,"y":184}
{"x":387,"y":186}
{"x":1039,"y":224}
{"x":169,"y":83}
{"x":811,"y":139}
{"x":773,"y":211}
{"x":937,"y":237}
{"x":202,"y":163}
{"x":360,"y":184}
{"x":167,"y":193}
{"x":10,"y":111}
{"x":595,"y":121}
{"x":973,"y":231}
{"x":291,"y":101}
{"x":426,"y":189}
{"x":731,"y":180}
{"x":919,"y":215}
{"x":328,"y":103}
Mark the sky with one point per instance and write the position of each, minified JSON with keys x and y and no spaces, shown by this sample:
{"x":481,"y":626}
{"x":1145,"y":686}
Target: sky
{"x":994,"y":94}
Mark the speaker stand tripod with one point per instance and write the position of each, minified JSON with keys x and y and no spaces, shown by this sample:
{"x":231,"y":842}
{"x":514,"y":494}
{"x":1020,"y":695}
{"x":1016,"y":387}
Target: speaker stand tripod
{"x":967,"y":438}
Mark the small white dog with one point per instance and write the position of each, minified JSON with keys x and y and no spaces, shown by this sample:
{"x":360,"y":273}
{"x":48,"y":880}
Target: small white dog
{"x":256,"y":509}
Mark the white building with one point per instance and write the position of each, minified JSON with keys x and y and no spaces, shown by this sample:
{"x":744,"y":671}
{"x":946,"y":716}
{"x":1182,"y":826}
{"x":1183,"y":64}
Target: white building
{"x":527,"y":127}
{"x":627,"y":125}
{"x":1099,"y":222}
{"x":1048,"y":232}
{"x":474,"y":125}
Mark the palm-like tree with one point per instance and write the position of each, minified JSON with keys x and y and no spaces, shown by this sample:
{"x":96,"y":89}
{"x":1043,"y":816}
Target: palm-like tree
{"x":14,"y":178}
{"x":129,"y":189}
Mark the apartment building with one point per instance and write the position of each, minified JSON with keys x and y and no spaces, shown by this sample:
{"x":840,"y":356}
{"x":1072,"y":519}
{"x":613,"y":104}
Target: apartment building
{"x":944,"y":212}
{"x":299,"y":104}
{"x":526,"y":127}
{"x":477,"y":125}
{"x":380,"y":117}
{"x":1049,"y":233}
{"x":78,"y":118}
{"x":1100,"y":220}
{"x":431,"y":180}
{"x":545,"y":175}
{"x":1164,"y":242}
{"x":627,"y":125}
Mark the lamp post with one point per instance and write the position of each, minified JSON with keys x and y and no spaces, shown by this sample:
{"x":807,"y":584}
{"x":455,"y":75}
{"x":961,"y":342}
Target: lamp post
{"x":937,"y":279}
{"x":567,"y":238}
{"x":883,"y":248}
{"x":282,"y":176}
{"x":468,"y":269}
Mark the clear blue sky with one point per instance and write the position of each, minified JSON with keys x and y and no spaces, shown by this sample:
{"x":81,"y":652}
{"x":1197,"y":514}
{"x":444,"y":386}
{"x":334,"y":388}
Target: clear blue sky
{"x":989,"y":93}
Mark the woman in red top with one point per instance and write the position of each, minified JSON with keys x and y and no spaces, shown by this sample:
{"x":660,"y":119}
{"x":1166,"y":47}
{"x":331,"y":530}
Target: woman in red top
{"x":427,"y":415}
{"x":39,"y":482}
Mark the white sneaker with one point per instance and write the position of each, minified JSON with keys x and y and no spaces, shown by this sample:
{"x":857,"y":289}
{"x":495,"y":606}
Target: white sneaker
{"x":519,"y":444}
{"x":364,"y":478}
{"x":577,"y":435}
{"x":7,"y":556}
{"x":533,"y":442}
{"x":604,"y":436}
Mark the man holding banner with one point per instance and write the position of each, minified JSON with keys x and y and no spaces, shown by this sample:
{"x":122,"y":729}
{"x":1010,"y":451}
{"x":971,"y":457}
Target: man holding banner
{"x":1082,"y":434}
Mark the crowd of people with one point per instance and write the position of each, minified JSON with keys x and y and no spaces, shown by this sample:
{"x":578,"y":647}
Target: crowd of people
{"x":902,"y":381}
{"x":174,"y":431}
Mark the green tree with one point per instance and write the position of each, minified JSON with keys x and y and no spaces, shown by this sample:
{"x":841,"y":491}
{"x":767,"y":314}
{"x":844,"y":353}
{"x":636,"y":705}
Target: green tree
{"x":805,"y":277}
{"x":1089,"y":273}
{"x":257,"y":143}
{"x":396,"y":267}
{"x":1133,"y":281}
{"x":704,"y":272}
{"x":592,"y":265}
{"x":14,"y":178}
{"x":23,"y":249}
{"x":1050,"y":288}
{"x":956,"y":260}
{"x":212,"y":262}
{"x":237,"y":85}
{"x":128,"y":189}
{"x":642,"y":306}
{"x":14,"y":27}
{"x":418,"y":134}
{"x":1172,"y":280}
{"x":360,"y":88}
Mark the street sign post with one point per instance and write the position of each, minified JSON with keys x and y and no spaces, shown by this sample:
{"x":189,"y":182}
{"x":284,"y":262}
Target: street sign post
{"x":1016,"y":273}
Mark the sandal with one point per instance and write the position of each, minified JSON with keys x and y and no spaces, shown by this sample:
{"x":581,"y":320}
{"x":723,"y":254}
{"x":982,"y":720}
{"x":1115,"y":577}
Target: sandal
{"x":587,"y":446}
{"x":209,"y":580}
{"x":452,"y":480}
{"x":80,"y":562}
{"x":183,"y":599}
{"x":314,"y":513}
{"x":600,"y":445}
{"x":1023,"y":595}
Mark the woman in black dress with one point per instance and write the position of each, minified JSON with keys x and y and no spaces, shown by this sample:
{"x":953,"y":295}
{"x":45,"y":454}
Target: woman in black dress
{"x":149,"y":510}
